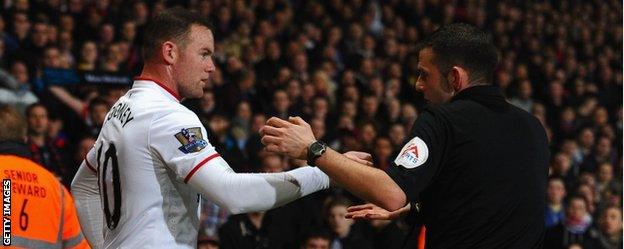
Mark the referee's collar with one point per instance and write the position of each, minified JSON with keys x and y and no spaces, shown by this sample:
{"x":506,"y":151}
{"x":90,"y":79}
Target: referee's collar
{"x":489,"y":92}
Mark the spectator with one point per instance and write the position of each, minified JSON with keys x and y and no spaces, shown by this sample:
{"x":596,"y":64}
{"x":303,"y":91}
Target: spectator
{"x":610,"y":229}
{"x":586,"y":141}
{"x":603,"y":153}
{"x":66,"y":45}
{"x":43,"y":150}
{"x":586,"y":191}
{"x":382,"y":152}
{"x":97,"y":110}
{"x":561,"y":167}
{"x":367,"y":134}
{"x":318,"y":128}
{"x":38,"y":39}
{"x":281,"y":104}
{"x":321,"y":109}
{"x":345,"y":234}
{"x":88,"y":56}
{"x":392,"y":113}
{"x":605,"y":179}
{"x":555,"y":193}
{"x":370,"y":106}
{"x":15,"y":89}
{"x":317,"y":240}
{"x":524,"y":100}
{"x":21,"y":27}
{"x":397,"y":135}
{"x":570,"y":148}
{"x":207,"y":243}
{"x":268,"y":67}
{"x":568,"y":124}
{"x":574,"y":228}
{"x":84,"y":146}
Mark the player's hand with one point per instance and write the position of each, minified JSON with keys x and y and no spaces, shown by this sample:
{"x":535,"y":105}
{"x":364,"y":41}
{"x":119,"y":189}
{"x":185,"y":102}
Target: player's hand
{"x":372,"y":212}
{"x":290,"y":138}
{"x":360,"y":157}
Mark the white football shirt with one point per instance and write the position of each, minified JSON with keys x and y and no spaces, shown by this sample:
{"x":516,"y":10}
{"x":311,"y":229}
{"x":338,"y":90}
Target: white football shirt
{"x":149,"y":147}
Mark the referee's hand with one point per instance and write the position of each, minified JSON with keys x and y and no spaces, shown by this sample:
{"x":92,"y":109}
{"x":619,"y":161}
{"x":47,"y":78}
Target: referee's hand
{"x":372,"y":212}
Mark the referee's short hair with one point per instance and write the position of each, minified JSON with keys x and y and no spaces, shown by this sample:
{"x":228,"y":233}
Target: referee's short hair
{"x":464,"y":45}
{"x":12,"y":125}
{"x":172,"y":24}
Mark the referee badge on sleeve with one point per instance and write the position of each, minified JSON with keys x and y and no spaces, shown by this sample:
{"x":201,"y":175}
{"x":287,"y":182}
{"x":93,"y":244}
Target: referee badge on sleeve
{"x":413,"y":154}
{"x":191,"y":140}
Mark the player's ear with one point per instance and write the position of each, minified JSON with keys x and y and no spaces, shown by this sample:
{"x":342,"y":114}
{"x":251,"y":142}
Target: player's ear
{"x":169,"y":52}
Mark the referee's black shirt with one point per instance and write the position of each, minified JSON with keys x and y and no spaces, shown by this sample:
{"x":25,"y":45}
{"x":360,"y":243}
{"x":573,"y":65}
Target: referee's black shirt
{"x":477,"y":166}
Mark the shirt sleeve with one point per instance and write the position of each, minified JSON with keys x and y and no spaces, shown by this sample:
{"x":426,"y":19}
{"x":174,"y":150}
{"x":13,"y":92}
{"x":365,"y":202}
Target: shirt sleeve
{"x":181,"y":141}
{"x":87,"y":203}
{"x":72,"y":235}
{"x":90,"y":160}
{"x":421,"y":158}
{"x":86,"y":207}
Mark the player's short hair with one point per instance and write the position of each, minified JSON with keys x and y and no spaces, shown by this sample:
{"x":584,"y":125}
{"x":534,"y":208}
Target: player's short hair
{"x":464,"y":45}
{"x":172,"y":24}
{"x":12,"y":125}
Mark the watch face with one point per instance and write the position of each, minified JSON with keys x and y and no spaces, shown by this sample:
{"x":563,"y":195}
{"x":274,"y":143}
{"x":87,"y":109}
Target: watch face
{"x":316,"y":148}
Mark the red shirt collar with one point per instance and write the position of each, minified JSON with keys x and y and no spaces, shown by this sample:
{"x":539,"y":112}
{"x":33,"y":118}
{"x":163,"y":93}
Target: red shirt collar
{"x":169,"y":90}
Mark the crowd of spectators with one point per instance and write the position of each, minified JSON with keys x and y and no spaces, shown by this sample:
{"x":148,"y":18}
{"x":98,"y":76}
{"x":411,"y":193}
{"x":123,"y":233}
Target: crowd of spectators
{"x":348,"y":68}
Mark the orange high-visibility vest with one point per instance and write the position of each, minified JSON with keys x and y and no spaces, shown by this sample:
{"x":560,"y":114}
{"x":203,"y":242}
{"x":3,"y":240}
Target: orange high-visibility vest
{"x":42,"y":212}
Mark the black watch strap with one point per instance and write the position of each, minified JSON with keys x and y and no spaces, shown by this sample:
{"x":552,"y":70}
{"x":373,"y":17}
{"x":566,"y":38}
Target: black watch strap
{"x":315,"y":150}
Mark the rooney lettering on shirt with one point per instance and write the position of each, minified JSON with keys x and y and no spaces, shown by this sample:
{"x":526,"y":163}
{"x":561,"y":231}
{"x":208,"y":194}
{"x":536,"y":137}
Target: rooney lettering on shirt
{"x":121,"y":111}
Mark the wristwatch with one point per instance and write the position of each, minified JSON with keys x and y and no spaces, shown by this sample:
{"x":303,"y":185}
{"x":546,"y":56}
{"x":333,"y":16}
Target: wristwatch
{"x":315,"y":150}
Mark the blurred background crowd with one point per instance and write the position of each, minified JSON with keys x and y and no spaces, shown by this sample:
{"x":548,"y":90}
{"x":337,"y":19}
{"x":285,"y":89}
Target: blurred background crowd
{"x":347,"y":67}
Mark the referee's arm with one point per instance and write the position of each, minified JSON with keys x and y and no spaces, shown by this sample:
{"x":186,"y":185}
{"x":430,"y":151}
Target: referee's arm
{"x":371,"y":184}
{"x":366,"y":182}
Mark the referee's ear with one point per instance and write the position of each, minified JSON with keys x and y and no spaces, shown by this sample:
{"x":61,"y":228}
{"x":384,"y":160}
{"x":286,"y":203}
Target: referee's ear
{"x":458,"y":77}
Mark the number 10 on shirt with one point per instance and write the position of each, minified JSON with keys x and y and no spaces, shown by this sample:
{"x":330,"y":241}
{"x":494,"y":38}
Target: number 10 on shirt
{"x":108,"y":177}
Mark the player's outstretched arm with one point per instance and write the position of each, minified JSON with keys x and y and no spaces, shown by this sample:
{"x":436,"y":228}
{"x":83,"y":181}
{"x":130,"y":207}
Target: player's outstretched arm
{"x":87,"y":200}
{"x":248,"y":192}
{"x":178,"y":138}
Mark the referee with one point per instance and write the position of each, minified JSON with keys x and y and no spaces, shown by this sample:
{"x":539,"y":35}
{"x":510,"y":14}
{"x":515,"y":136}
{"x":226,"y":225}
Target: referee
{"x":474,"y":169}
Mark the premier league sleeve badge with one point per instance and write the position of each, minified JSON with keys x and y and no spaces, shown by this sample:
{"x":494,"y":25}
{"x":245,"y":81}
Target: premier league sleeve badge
{"x":191,"y":140}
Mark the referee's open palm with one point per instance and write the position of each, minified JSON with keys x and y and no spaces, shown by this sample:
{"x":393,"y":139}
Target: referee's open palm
{"x":371,"y":211}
